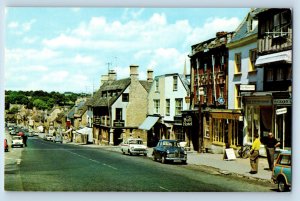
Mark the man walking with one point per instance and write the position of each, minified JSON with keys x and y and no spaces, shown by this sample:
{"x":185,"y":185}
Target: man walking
{"x":271,"y":144}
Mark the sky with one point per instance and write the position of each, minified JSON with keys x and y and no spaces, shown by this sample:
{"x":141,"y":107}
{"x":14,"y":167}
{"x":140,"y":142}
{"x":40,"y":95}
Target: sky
{"x":68,"y":49}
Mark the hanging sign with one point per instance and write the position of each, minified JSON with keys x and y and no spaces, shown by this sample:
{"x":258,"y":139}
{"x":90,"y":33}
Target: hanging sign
{"x":281,"y":111}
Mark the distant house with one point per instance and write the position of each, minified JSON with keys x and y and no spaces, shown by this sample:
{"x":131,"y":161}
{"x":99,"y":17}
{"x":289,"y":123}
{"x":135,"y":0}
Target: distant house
{"x":166,"y":101}
{"x":119,"y":107}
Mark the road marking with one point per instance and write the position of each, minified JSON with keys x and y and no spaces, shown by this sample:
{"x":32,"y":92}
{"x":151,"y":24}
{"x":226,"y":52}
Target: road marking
{"x":164,"y":188}
{"x":92,"y":160}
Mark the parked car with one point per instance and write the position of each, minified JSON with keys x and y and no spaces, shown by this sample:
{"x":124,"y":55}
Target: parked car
{"x":17,"y":141}
{"x":58,"y":138}
{"x":134,"y":146}
{"x":282,"y":171}
{"x":5,"y":145}
{"x":169,"y":150}
{"x":49,"y":137}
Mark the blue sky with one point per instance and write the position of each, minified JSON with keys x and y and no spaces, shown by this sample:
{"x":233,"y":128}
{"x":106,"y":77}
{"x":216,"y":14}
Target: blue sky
{"x":67,"y":49}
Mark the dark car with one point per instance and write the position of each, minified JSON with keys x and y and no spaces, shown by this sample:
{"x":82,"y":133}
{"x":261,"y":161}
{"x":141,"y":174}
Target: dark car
{"x":169,"y":150}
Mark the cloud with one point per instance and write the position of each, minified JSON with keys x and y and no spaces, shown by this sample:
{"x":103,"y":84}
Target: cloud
{"x":79,"y":59}
{"x":13,"y":25}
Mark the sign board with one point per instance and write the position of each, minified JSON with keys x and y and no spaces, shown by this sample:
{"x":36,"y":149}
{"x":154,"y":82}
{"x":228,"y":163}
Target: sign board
{"x":281,"y":111}
{"x":229,"y":154}
{"x":247,"y":87}
{"x":187,"y":121}
{"x":221,"y":100}
{"x":287,"y":101}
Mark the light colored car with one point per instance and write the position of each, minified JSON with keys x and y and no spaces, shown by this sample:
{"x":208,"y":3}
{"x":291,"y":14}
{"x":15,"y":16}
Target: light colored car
{"x":282,"y":171}
{"x":17,"y":141}
{"x":58,"y":138}
{"x":134,"y":146}
{"x":49,"y":137}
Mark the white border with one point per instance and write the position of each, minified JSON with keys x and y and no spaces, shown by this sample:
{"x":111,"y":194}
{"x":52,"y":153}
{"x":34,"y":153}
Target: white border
{"x":159,"y":196}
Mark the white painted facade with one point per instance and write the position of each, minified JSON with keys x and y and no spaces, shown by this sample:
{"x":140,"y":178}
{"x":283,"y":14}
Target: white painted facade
{"x":120,"y":104}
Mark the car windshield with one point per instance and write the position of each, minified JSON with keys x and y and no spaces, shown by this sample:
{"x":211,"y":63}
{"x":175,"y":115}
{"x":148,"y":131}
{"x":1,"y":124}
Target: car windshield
{"x":17,"y":138}
{"x":170,"y":144}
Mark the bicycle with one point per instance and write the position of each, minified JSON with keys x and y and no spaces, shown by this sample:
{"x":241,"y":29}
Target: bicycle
{"x":244,"y":151}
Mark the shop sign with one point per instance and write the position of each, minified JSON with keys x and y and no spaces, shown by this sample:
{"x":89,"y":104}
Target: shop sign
{"x":287,"y":101}
{"x":247,"y":87}
{"x":258,"y":101}
{"x":187,"y":121}
{"x":281,"y":111}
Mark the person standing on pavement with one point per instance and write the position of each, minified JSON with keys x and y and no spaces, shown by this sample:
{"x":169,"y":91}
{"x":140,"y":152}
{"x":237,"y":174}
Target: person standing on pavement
{"x":254,"y":154}
{"x":271,"y":143}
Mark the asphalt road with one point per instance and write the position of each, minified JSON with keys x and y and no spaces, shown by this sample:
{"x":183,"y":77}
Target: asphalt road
{"x":48,"y":166}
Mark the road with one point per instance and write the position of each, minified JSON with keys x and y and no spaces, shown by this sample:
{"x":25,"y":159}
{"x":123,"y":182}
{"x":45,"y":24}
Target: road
{"x":48,"y":166}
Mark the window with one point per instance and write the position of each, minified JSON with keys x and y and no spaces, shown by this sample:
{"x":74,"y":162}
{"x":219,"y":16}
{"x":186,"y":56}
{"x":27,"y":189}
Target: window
{"x":280,"y":74}
{"x":281,"y":24}
{"x":118,"y":113}
{"x":156,"y":106}
{"x":252,"y":57}
{"x":270,"y":75}
{"x":178,"y":106}
{"x":238,"y":98}
{"x":125,"y":97}
{"x":221,"y":92}
{"x":156,"y":85}
{"x":205,"y":68}
{"x":238,"y":61}
{"x":168,"y":107}
{"x":175,"y":83}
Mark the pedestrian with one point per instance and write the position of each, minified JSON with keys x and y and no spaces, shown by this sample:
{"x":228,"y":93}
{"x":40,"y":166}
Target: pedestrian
{"x":271,"y":143}
{"x":254,"y":154}
{"x":24,"y":140}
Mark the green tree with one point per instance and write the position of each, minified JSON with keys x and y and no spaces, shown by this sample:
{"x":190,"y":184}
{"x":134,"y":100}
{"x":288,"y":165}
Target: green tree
{"x":40,"y":104}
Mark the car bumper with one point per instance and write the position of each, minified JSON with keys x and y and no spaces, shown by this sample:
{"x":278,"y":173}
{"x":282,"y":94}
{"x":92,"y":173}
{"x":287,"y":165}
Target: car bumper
{"x":139,"y":151}
{"x":176,"y":158}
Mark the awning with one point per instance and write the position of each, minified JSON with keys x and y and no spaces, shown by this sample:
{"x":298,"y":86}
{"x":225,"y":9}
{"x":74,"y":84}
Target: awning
{"x":148,"y":123}
{"x":285,"y":56}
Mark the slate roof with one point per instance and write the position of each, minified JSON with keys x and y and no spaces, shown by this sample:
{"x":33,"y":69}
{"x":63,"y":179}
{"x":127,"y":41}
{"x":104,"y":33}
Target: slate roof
{"x":80,"y":106}
{"x":242,"y":31}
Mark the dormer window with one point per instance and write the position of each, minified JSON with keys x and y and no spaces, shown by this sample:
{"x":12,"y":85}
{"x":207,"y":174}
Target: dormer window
{"x":251,"y":24}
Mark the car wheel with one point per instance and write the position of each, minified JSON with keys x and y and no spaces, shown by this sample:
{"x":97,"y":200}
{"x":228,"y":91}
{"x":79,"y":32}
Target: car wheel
{"x":184,"y":162}
{"x":282,"y":187}
{"x":130,"y":154}
{"x":153,"y":157}
{"x":163,"y":160}
{"x":145,"y":154}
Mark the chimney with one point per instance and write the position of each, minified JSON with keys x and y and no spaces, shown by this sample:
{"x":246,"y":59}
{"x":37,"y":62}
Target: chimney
{"x":150,"y":75}
{"x":134,"y":74}
{"x":112,"y":75}
{"x":104,"y":78}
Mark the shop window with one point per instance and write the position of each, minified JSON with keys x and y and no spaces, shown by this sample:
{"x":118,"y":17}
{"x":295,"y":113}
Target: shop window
{"x":238,"y":62}
{"x":168,"y":107}
{"x":219,"y":130}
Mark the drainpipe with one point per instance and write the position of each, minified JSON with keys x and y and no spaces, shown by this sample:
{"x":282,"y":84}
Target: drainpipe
{"x":214,"y":83}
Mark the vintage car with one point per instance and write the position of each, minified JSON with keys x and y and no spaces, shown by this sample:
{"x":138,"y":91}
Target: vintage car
{"x":282,"y":171}
{"x":169,"y":150}
{"x":49,"y":137}
{"x":58,"y":138}
{"x":17,"y":141}
{"x":134,"y":146}
{"x":5,"y":145}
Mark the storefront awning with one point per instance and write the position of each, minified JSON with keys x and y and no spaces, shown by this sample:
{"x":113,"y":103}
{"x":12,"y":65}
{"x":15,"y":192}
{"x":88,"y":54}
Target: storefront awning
{"x":285,"y":56}
{"x":148,"y":123}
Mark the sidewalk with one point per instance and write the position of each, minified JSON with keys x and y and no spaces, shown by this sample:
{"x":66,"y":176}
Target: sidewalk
{"x":239,"y":166}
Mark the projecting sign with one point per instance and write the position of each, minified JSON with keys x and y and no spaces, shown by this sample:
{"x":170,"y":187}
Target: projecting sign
{"x":287,"y":101}
{"x":187,"y":121}
{"x":247,"y":87}
{"x":281,"y":111}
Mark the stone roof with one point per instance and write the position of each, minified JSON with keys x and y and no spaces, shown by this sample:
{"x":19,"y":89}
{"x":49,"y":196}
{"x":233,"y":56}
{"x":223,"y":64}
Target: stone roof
{"x":119,"y":86}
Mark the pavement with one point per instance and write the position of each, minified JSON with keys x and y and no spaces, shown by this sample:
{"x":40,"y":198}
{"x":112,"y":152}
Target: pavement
{"x":239,"y":166}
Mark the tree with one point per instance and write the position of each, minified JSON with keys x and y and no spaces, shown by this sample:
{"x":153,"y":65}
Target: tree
{"x":40,"y":104}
